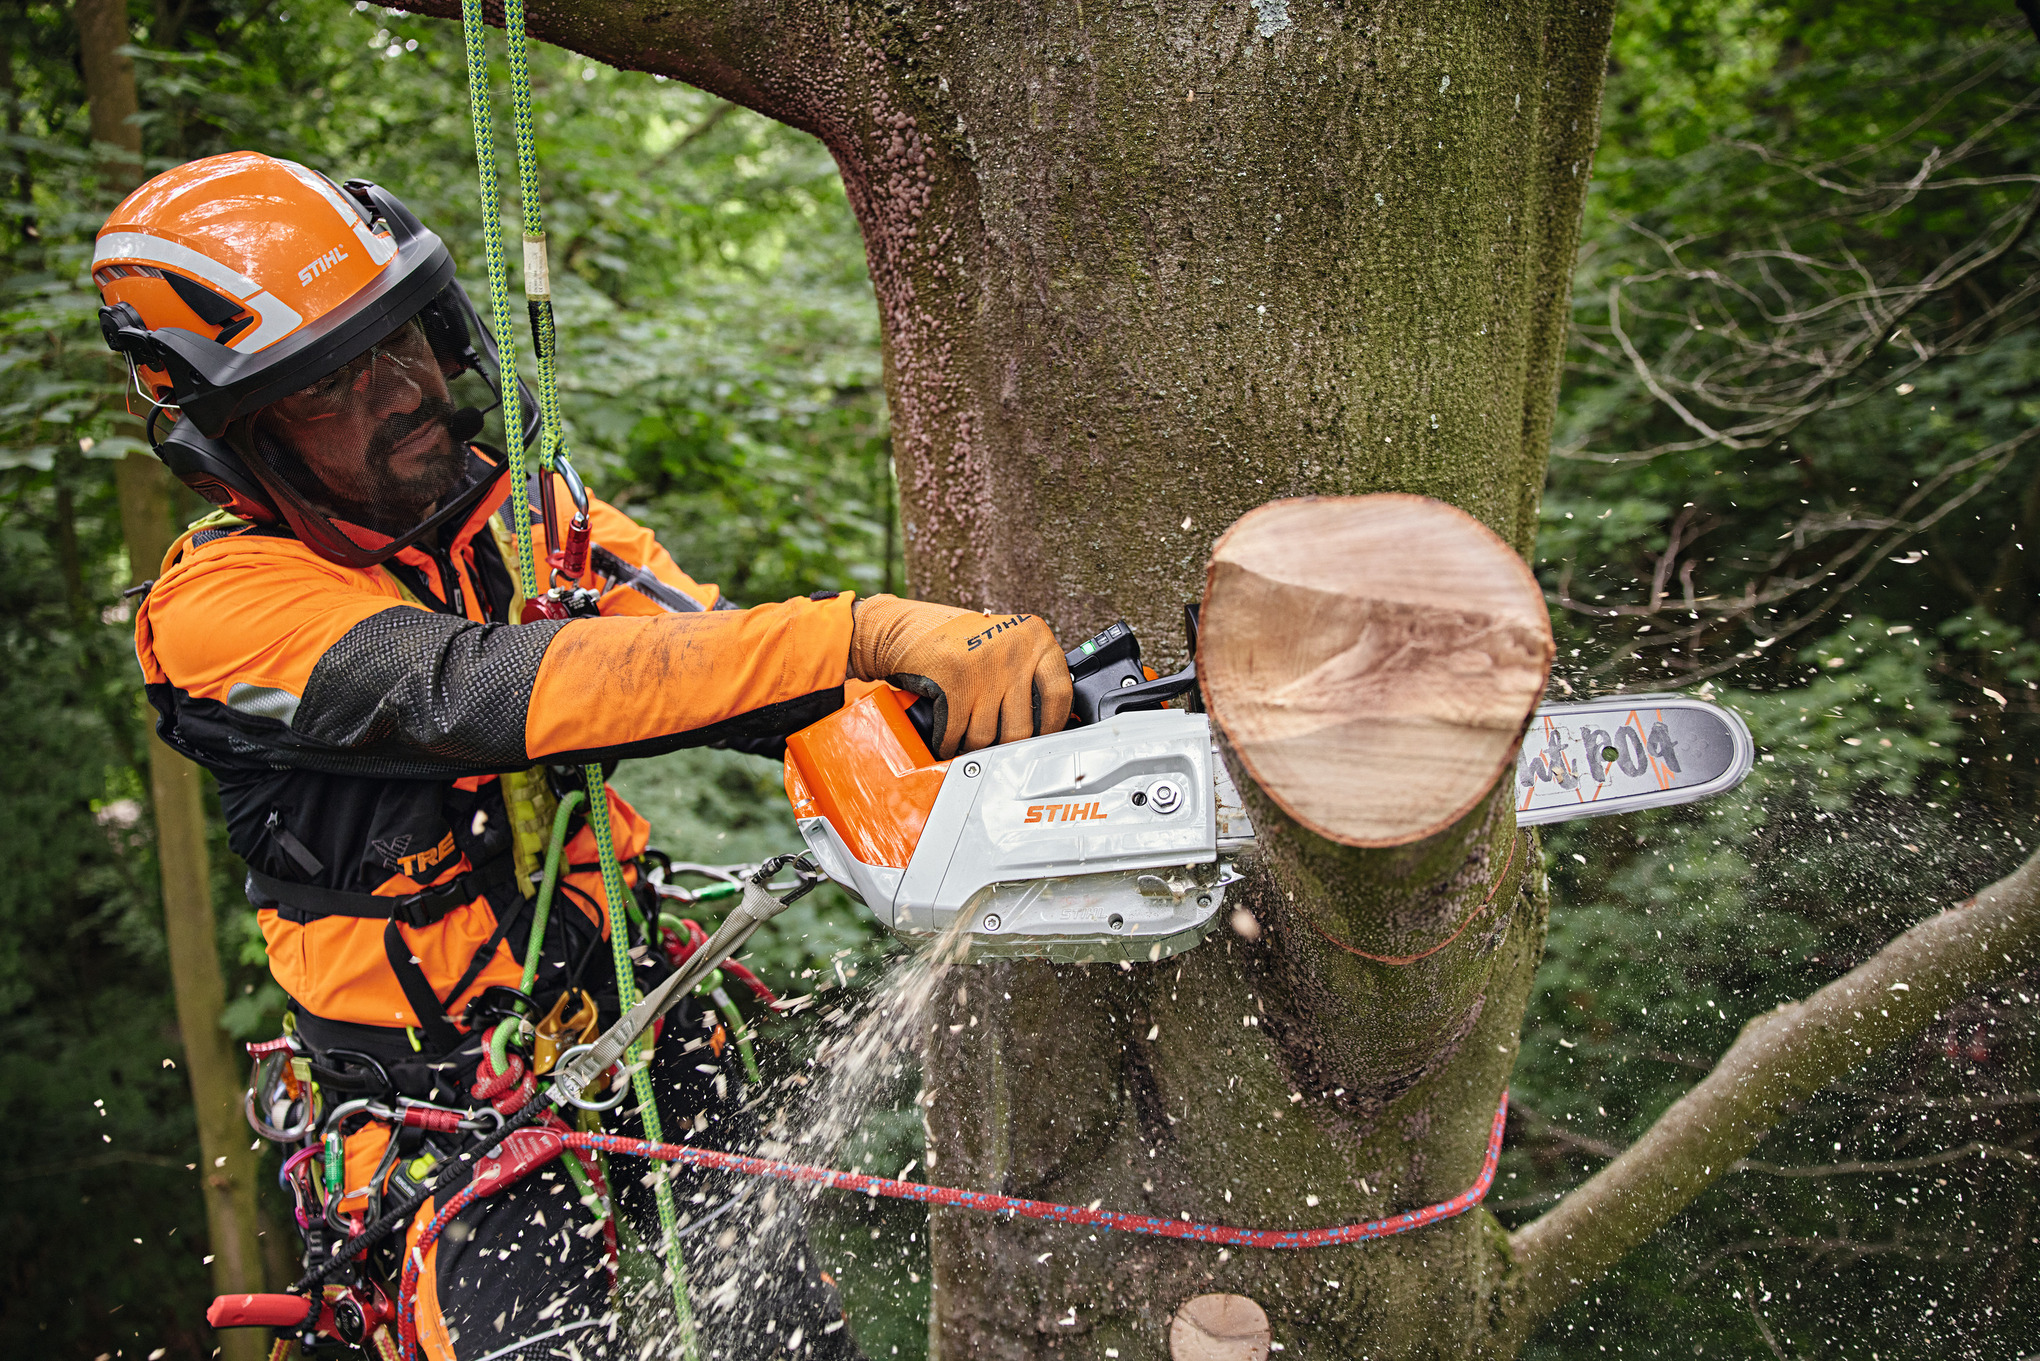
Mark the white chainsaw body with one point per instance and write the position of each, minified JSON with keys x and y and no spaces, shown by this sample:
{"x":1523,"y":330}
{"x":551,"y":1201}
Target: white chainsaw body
{"x":1107,"y":842}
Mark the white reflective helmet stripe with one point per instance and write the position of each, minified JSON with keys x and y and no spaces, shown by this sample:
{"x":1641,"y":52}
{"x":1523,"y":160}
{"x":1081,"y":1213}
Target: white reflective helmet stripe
{"x":379,"y":248}
{"x":154,"y":250}
{"x":274,"y":318}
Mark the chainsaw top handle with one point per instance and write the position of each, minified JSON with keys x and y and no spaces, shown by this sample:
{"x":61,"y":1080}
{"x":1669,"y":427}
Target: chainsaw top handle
{"x":1106,"y":678}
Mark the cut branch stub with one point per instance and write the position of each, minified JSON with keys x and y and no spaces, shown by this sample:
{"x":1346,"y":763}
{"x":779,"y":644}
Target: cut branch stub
{"x":1372,"y":659}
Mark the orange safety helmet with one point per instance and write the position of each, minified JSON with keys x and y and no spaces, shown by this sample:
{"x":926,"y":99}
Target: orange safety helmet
{"x":235,"y":281}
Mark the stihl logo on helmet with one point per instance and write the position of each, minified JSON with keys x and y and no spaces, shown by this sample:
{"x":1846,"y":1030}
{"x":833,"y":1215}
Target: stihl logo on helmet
{"x":180,"y":251}
{"x":320,"y":266}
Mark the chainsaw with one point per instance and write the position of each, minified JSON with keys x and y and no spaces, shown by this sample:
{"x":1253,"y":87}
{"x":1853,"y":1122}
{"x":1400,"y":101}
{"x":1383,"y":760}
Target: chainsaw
{"x":1118,"y":837}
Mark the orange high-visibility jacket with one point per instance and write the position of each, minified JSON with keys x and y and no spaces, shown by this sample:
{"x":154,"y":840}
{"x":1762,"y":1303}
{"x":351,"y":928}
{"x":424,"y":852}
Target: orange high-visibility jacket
{"x":358,"y":719}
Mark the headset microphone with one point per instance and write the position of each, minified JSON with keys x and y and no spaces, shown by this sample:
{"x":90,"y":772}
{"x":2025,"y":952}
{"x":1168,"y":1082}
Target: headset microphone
{"x":464,"y":424}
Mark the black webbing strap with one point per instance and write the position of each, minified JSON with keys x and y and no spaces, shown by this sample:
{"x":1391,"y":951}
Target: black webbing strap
{"x":440,"y":1034}
{"x":303,"y":903}
{"x":493,"y":880}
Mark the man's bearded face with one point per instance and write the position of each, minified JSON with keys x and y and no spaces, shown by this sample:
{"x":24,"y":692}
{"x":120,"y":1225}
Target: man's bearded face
{"x":373,"y":435}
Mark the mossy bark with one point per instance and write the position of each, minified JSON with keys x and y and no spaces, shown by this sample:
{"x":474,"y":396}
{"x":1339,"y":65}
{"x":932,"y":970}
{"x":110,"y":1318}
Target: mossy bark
{"x":1141,"y":268}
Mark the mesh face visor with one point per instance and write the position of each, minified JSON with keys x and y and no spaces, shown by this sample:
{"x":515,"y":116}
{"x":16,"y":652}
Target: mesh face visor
{"x":374,"y":455}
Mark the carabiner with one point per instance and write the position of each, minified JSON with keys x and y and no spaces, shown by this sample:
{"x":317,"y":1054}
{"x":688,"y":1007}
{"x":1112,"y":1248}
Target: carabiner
{"x":357,"y":1106}
{"x":262,"y":1095}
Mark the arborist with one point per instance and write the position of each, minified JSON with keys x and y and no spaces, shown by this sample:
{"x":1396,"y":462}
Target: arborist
{"x":341,"y":645}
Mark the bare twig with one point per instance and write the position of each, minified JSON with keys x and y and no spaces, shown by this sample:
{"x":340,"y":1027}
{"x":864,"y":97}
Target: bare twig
{"x":1849,"y":1169}
{"x":1544,"y":1127}
{"x":1749,"y":1291}
{"x":87,"y":1164}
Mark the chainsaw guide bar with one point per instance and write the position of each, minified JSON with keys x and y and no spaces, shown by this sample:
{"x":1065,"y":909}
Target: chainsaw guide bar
{"x":1627,"y":752}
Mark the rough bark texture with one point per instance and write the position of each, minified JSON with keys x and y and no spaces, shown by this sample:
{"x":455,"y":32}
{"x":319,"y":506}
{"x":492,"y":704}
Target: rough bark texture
{"x":1140,"y":269}
{"x":176,"y":789}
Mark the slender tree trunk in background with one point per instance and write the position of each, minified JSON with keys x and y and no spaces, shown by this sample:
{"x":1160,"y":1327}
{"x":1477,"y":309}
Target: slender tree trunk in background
{"x":176,"y":787}
{"x":110,"y":90}
{"x":1141,"y":269}
{"x":177,"y":796}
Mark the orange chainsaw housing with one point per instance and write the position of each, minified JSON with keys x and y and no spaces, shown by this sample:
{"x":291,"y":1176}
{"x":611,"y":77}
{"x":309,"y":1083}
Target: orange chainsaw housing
{"x":867,"y":771}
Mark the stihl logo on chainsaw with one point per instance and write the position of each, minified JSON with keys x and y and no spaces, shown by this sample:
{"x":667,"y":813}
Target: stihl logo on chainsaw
{"x":970,"y":644}
{"x":321,"y":265}
{"x":1065,"y":812}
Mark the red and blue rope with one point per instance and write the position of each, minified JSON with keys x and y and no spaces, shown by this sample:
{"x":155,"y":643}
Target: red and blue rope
{"x":984,"y":1201}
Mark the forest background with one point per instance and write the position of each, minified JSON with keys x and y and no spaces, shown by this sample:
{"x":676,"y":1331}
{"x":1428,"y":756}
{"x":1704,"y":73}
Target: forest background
{"x":1795,"y":463}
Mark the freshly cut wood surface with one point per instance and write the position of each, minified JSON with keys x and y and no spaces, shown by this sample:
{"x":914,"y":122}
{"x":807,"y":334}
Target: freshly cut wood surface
{"x":1219,"y":1328}
{"x":1372,"y":659}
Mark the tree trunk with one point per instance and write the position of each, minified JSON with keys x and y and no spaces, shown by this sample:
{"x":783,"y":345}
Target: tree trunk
{"x":1141,"y":269}
{"x":176,"y":788}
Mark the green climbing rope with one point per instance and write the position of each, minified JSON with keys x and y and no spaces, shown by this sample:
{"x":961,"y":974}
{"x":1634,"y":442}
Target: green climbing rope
{"x":615,"y":893}
{"x":481,"y":113}
{"x":542,"y":909}
{"x":538,"y":291}
{"x":537,"y":271}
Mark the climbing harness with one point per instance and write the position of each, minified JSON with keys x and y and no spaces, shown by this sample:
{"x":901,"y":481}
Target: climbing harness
{"x":360,"y":1159}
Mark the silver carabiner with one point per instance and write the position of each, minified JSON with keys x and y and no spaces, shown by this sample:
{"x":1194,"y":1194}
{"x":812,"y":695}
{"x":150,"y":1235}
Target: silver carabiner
{"x":358,"y":1105}
{"x":262,"y":1093}
{"x":282,"y":1135}
{"x":475,"y":1123}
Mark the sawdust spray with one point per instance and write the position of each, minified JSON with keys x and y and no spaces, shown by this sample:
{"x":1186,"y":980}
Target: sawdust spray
{"x":738,"y":1228}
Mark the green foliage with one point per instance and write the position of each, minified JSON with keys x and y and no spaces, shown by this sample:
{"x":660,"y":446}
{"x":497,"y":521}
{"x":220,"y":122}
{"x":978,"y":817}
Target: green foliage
{"x":1879,"y":641}
{"x":722,"y":382}
{"x":94,"y":1121}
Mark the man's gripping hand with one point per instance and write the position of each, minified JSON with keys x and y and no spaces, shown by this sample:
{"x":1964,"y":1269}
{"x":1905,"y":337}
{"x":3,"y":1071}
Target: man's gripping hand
{"x":993,"y":678}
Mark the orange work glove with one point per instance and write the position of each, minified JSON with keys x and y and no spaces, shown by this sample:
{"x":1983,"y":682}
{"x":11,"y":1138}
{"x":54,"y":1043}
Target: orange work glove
{"x":993,"y":678}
